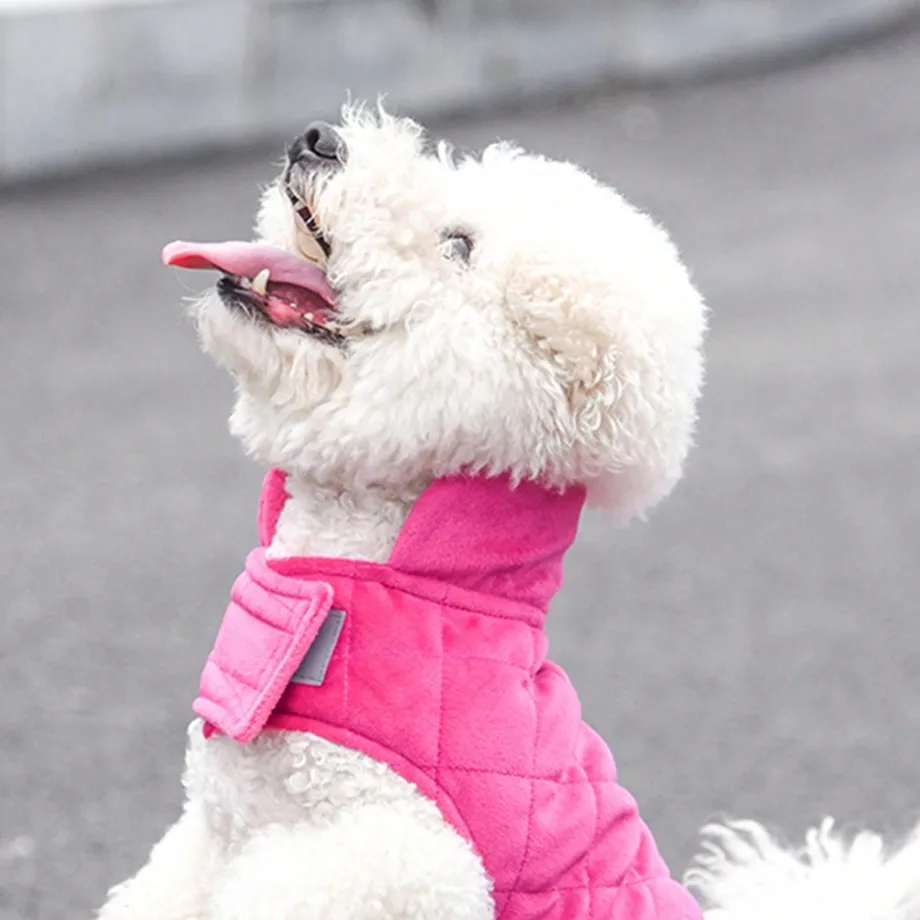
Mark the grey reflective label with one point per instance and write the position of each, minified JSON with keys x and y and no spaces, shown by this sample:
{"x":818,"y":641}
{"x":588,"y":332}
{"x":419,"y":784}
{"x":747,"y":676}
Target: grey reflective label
{"x":312,"y":670}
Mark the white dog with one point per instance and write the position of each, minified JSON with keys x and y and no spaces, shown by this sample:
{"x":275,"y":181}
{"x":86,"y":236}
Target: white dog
{"x":441,"y":362}
{"x":745,"y":873}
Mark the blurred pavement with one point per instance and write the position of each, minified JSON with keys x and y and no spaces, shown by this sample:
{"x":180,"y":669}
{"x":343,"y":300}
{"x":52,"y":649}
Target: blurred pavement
{"x":760,"y":651}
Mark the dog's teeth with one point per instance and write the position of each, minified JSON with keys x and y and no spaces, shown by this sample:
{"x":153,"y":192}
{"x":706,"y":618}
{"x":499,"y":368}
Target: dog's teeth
{"x":244,"y":282}
{"x":260,"y":282}
{"x":308,"y":317}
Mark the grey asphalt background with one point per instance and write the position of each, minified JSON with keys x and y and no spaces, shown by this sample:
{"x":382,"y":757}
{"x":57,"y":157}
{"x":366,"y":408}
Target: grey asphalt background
{"x":753,"y":650}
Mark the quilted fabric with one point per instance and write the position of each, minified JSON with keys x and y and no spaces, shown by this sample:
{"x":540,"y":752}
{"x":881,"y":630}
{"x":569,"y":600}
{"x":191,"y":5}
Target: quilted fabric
{"x":441,"y":672}
{"x":266,"y":632}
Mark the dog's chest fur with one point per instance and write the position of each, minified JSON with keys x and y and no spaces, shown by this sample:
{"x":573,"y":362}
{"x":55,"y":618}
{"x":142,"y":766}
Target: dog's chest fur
{"x":329,"y":522}
{"x":288,"y":778}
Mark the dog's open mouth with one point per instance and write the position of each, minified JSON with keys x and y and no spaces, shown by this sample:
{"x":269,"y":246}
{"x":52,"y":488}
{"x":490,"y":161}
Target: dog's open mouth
{"x":268,"y":284}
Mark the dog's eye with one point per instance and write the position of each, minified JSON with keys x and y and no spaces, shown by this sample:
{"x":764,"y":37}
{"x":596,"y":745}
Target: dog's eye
{"x":458,"y":246}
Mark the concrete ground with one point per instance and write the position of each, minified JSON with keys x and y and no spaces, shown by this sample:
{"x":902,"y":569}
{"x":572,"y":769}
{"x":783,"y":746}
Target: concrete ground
{"x":753,"y":650}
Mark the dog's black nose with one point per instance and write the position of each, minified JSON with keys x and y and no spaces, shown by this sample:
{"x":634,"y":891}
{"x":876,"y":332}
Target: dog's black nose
{"x":319,"y":143}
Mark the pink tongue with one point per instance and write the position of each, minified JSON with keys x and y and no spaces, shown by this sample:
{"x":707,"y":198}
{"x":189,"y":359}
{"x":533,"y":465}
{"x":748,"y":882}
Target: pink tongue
{"x":248,"y":259}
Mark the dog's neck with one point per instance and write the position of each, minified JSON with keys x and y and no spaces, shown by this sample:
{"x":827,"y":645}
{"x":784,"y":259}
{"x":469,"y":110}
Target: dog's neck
{"x":320,"y":520}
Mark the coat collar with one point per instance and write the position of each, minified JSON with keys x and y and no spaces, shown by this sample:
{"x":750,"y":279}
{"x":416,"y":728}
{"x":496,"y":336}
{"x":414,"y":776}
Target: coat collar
{"x":477,"y":533}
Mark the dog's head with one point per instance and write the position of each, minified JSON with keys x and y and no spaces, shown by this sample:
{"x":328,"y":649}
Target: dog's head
{"x":423,"y":315}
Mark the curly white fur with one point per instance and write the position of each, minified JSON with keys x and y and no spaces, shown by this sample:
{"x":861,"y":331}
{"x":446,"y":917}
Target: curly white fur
{"x":293,"y":827}
{"x":569,"y":350}
{"x":744,"y":873}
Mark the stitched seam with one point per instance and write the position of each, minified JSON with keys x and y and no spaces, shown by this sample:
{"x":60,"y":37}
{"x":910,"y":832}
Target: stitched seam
{"x":597,"y":821}
{"x":282,"y":597}
{"x":437,"y":767}
{"x":244,"y":602}
{"x":280,"y":592}
{"x":632,"y":876}
{"x":538,"y":613}
{"x":271,"y":665}
{"x":533,"y":786}
{"x":412,"y":655}
{"x":626,"y":885}
{"x":271,"y":693}
{"x":644,"y":880}
{"x":539,"y":779}
{"x":225,"y":683}
{"x":486,"y":613}
{"x":349,"y":623}
{"x":232,"y":672}
{"x":540,"y":894}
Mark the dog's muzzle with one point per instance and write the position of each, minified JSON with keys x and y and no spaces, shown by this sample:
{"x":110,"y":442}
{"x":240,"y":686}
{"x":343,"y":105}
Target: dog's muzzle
{"x":319,"y":150}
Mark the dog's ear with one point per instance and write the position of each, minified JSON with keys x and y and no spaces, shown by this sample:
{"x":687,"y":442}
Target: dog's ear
{"x":567,"y":330}
{"x":626,"y":365}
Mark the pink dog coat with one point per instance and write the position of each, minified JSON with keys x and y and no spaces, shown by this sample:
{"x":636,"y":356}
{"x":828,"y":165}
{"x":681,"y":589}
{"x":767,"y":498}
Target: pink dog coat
{"x":435,"y":664}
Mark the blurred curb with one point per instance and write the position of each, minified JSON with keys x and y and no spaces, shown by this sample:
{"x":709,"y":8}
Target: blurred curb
{"x":84,"y":82}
